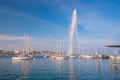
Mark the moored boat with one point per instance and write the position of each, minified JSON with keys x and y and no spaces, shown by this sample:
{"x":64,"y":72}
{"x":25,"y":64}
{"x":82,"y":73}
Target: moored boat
{"x":59,"y":54}
{"x":71,"y":56}
{"x":85,"y":56}
{"x":57,"y":57}
{"x":26,"y":52}
{"x":115,"y":57}
{"x":23,"y":57}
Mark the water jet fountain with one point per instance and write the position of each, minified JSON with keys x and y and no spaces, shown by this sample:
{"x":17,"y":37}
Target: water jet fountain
{"x":73,"y":28}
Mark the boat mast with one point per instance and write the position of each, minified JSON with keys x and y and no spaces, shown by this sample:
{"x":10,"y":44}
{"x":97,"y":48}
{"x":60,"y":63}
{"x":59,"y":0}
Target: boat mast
{"x":26,"y":45}
{"x":24,"y":51}
{"x":60,"y":47}
{"x":57,"y":48}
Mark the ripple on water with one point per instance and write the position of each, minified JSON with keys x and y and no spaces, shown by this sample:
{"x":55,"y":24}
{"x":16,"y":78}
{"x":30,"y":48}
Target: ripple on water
{"x":47,"y":69}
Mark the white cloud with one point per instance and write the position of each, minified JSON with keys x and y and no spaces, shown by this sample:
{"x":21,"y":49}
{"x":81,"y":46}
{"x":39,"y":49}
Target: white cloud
{"x":9,"y":42}
{"x":100,"y":25}
{"x":9,"y":37}
{"x":97,"y":41}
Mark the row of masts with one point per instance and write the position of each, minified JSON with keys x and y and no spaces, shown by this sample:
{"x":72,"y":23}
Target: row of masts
{"x":84,"y":50}
{"x":26,"y":48}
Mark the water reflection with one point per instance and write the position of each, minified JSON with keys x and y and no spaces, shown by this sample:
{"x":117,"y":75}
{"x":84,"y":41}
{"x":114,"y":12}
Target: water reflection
{"x":99,"y":69}
{"x":59,"y":66}
{"x":115,"y":66}
{"x":117,"y":69}
{"x":71,"y":69}
{"x":110,"y":62}
{"x":24,"y":66}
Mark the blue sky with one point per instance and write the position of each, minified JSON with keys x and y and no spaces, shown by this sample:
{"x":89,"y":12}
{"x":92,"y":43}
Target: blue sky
{"x":47,"y":21}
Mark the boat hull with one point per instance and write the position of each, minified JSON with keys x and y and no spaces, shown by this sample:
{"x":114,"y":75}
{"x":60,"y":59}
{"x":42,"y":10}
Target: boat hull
{"x":114,"y":57}
{"x":86,"y":56}
{"x":57,"y":57}
{"x":22,"y":57}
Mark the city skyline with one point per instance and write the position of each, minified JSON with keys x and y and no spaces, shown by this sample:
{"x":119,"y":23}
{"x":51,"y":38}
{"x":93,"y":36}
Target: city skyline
{"x":48,"y":21}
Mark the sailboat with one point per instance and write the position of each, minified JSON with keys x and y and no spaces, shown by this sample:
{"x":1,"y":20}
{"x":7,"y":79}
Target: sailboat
{"x":26,"y":52}
{"x":116,"y":56}
{"x":58,"y":55}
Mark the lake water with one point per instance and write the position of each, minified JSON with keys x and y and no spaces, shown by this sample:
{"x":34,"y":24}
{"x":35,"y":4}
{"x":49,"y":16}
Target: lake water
{"x":47,"y":69}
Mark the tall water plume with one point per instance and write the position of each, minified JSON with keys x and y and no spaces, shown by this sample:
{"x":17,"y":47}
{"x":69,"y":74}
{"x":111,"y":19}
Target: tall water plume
{"x":73,"y":28}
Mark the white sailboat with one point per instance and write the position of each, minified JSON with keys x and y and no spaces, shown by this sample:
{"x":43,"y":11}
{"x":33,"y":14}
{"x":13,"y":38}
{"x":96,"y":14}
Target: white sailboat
{"x":26,"y":52}
{"x":116,"y":56}
{"x":59,"y":54}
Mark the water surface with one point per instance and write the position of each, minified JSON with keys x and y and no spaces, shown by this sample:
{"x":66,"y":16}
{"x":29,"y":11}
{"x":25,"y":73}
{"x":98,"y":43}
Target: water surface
{"x":47,"y":69}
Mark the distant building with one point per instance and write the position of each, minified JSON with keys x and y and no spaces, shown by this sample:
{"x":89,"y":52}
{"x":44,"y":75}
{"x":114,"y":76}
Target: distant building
{"x":1,"y":51}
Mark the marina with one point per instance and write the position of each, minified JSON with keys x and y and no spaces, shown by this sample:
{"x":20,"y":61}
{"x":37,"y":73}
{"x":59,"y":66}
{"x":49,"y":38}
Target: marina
{"x":68,"y":40}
